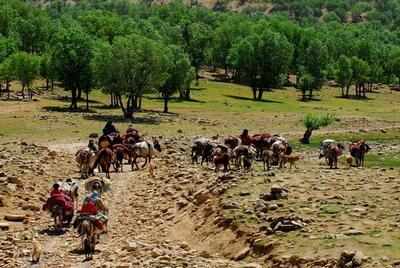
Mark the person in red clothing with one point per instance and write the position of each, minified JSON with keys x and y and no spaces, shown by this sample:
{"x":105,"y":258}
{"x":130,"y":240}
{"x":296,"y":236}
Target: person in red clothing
{"x":93,"y":205}
{"x":245,"y":138}
{"x":58,"y":197}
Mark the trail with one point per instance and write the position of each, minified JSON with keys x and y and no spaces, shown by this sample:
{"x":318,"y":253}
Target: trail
{"x":140,"y":214}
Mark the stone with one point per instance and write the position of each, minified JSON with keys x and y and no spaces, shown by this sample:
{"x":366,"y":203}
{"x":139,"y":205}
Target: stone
{"x":273,"y":206}
{"x":358,"y":259}
{"x":14,"y":217}
{"x":201,"y":196}
{"x":243,"y":253}
{"x":353,"y":232}
{"x":264,"y":246}
{"x":130,"y":246}
{"x":230,"y":205}
{"x":4,"y":226}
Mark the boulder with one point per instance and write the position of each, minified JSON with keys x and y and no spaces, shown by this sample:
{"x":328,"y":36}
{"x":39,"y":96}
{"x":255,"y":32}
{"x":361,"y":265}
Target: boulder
{"x":4,"y":226}
{"x":243,"y":253}
{"x":15,"y":217}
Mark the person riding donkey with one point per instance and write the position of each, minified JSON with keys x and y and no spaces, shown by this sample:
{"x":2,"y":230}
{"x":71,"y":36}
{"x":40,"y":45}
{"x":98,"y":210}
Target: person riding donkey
{"x":94,"y":207}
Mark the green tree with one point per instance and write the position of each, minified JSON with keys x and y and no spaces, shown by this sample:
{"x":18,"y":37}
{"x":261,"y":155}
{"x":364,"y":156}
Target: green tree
{"x":361,"y":71}
{"x":305,"y":84}
{"x":71,"y":55}
{"x":344,"y":74}
{"x":25,"y":68}
{"x":133,"y":66}
{"x":197,"y":39}
{"x":260,"y":61}
{"x":179,"y":73}
{"x":314,"y":122}
{"x":6,"y":74}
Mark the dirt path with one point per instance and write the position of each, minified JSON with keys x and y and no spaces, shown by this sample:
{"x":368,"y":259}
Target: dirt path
{"x":140,"y":213}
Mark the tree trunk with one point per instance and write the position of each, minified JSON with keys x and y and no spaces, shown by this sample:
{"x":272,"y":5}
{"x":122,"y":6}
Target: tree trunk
{"x":342,"y":91}
{"x":127,"y":114}
{"x":260,"y":93}
{"x":140,"y":103}
{"x":111,"y":100}
{"x":187,"y":94}
{"x":79,"y":94}
{"x":166,"y":99}
{"x":23,"y":91}
{"x":254,"y":93}
{"x":310,"y":96}
{"x":87,"y":100}
{"x":307,"y":136}
{"x":74,"y":100}
{"x":52,"y":84}
{"x":8,"y":88}
{"x":1,"y":89}
{"x":347,"y":91}
{"x":47,"y":84}
{"x":197,"y":75}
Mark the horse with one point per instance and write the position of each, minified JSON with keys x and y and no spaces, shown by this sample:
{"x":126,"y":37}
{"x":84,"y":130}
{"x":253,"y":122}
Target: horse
{"x":332,"y":154}
{"x":87,"y":231}
{"x":120,"y":152}
{"x":144,"y":149}
{"x":103,"y":158}
{"x":358,"y":151}
{"x":82,"y":157}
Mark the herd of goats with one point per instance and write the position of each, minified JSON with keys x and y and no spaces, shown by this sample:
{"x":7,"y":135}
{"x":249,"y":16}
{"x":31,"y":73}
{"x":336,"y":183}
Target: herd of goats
{"x":273,"y":150}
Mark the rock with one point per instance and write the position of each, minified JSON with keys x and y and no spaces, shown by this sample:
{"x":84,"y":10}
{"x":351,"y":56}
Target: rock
{"x":14,"y":217}
{"x":263,"y":246}
{"x":244,"y":193}
{"x":252,"y":265}
{"x":242,"y":254}
{"x":201,"y":196}
{"x":2,"y":202}
{"x":273,"y":206}
{"x":130,"y":246}
{"x":181,"y":203}
{"x":14,"y":180}
{"x":358,"y":259}
{"x":4,"y":226}
{"x":2,"y":175}
{"x":353,"y":232}
{"x":31,"y":207}
{"x":230,"y":205}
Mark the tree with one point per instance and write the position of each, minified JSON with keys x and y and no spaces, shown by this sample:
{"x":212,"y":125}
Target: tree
{"x":179,"y":73}
{"x":25,"y":68}
{"x":133,"y":66}
{"x":305,"y":84}
{"x":6,"y":74}
{"x":360,"y":76}
{"x":344,"y":74}
{"x":197,"y":38}
{"x":71,"y":56}
{"x":315,"y":122}
{"x":314,"y":60}
{"x":32,"y":31}
{"x":260,"y":60}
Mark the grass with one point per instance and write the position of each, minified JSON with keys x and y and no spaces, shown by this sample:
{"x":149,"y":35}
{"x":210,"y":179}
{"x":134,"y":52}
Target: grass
{"x":228,"y":108}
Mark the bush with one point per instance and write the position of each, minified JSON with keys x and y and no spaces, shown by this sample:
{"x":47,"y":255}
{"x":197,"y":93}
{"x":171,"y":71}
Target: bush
{"x":315,"y":122}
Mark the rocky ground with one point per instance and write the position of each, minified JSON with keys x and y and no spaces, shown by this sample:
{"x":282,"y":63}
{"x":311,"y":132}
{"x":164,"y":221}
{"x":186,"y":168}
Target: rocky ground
{"x":189,"y":216}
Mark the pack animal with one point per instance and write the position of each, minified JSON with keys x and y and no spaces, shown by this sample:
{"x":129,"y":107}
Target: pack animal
{"x":358,"y":151}
{"x":221,"y":159}
{"x":120,"y":152}
{"x":82,"y":157}
{"x":87,"y":231}
{"x":332,"y":154}
{"x":103,"y":159}
{"x":144,"y":150}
